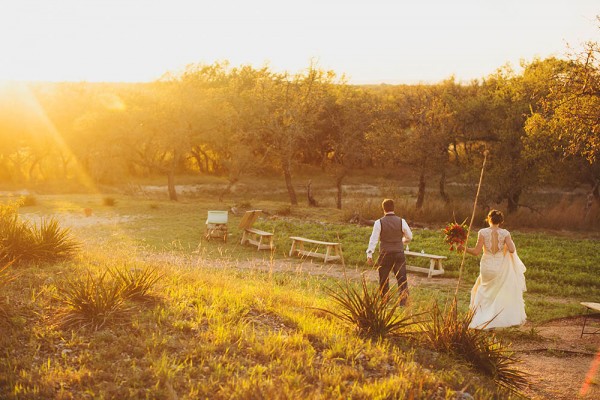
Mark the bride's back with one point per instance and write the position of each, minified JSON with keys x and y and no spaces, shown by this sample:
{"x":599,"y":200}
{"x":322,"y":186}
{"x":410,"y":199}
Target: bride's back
{"x":494,"y":239}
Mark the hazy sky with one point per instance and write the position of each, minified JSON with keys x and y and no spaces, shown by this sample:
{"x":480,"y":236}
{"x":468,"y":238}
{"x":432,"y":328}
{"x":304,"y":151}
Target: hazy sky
{"x":371,"y":41}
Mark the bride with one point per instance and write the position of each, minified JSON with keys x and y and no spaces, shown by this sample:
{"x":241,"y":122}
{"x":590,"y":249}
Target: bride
{"x":497,"y":296}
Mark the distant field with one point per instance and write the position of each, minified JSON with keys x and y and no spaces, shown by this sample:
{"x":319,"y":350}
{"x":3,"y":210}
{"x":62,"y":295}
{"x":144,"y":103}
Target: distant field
{"x":559,"y":263}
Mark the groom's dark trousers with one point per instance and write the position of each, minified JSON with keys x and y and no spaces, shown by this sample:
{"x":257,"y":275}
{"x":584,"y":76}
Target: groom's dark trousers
{"x":393,"y":261}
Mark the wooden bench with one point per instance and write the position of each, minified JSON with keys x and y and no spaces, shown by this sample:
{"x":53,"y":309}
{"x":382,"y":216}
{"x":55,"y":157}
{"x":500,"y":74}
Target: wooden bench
{"x":595,"y":308}
{"x":435,"y":263}
{"x":252,"y":235}
{"x":333,"y":250}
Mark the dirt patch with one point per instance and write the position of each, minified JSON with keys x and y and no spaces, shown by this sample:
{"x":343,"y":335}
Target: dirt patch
{"x":73,"y":220}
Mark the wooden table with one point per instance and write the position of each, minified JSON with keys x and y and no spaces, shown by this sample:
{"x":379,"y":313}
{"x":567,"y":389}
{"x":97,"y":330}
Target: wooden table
{"x":435,"y":263}
{"x":333,"y":250}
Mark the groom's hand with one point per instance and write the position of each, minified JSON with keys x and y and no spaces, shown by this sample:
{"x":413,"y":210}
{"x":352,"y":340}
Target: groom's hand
{"x":369,"y":261}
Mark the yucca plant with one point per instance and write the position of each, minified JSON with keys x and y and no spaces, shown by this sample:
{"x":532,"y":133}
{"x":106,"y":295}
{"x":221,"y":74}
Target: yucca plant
{"x":53,"y":242}
{"x":22,"y":241}
{"x":137,"y":283}
{"x":448,"y":332}
{"x":92,"y":302}
{"x":371,"y":314}
{"x":17,"y":240}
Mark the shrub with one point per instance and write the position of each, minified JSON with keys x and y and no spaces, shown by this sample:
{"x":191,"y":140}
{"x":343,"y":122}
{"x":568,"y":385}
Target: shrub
{"x":92,"y":302}
{"x":28,"y":201}
{"x":22,"y":241}
{"x":284,"y":210}
{"x":54,"y":242}
{"x":449,"y":332}
{"x":109,"y":201}
{"x":372,"y":315}
{"x":136,"y":283}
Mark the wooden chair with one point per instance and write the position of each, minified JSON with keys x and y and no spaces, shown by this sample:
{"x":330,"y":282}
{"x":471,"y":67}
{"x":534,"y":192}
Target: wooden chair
{"x":252,"y":235}
{"x":216,"y":225}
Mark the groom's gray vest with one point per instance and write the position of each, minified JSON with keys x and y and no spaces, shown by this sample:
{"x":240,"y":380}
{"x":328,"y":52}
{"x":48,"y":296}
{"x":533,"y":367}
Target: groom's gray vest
{"x":391,"y":234}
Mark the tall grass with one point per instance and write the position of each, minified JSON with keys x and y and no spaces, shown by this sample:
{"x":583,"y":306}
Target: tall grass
{"x":5,"y":278}
{"x":560,"y":215}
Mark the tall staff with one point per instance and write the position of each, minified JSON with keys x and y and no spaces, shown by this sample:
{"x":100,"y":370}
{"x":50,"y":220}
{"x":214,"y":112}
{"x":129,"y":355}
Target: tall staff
{"x":462,"y":261}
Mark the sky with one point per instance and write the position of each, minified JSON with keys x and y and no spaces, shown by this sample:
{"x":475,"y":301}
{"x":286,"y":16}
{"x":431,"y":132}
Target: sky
{"x":370,"y":41}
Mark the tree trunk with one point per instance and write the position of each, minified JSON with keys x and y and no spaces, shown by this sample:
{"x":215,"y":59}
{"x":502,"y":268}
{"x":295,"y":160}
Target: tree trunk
{"x":456,"y":156}
{"x":338,"y":184}
{"x":513,"y":201}
{"x":288,"y":183}
{"x":596,"y":191}
{"x":171,"y":185}
{"x":443,"y":193}
{"x":421,"y":193}
{"x":311,"y":200}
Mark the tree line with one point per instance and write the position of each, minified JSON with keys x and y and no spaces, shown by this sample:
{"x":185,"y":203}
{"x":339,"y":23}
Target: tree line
{"x":541,"y":126}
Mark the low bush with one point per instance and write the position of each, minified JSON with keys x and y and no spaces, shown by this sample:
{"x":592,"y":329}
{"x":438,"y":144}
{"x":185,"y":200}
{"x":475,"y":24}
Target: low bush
{"x":448,"y":332}
{"x":372,"y":315}
{"x":23,"y":241}
{"x":109,"y":201}
{"x":92,"y":302}
{"x":137,"y":283}
{"x":29,"y":201}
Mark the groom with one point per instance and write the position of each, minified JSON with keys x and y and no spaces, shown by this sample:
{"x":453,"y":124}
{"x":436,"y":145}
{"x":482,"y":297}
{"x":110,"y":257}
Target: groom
{"x":392,"y":232}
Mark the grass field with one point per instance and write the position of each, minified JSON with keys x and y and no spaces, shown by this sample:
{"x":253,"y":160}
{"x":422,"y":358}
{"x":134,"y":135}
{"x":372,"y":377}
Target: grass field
{"x":216,"y":330}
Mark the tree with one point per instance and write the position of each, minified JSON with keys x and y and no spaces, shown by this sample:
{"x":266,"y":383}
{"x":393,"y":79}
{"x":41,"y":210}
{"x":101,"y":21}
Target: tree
{"x":346,"y":117}
{"x":569,"y":119}
{"x":287,"y":110}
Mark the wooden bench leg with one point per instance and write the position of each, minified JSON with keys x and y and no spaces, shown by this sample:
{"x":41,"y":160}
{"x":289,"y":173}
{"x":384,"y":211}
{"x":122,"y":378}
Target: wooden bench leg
{"x":338,"y":251}
{"x":244,"y":239}
{"x":587,"y":312}
{"x":431,"y":268}
{"x":260,"y":242}
{"x":327,"y":253}
{"x":293,"y":247}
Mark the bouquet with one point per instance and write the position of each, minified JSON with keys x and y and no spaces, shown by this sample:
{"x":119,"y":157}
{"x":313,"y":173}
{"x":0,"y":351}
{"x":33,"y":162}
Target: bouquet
{"x":455,"y":235}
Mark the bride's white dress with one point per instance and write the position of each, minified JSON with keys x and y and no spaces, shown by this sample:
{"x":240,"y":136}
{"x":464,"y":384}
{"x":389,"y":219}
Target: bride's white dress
{"x":497,"y":295}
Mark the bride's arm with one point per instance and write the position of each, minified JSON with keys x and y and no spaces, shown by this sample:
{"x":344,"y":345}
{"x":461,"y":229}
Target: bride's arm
{"x":510,"y":245}
{"x":477,"y":249}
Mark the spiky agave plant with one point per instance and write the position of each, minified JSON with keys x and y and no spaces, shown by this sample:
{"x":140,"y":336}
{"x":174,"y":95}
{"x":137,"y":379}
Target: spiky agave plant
{"x":23,"y":241}
{"x":448,"y":332}
{"x":93,"y":301}
{"x":137,"y":283}
{"x":371,"y":314}
{"x":53,"y":242}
